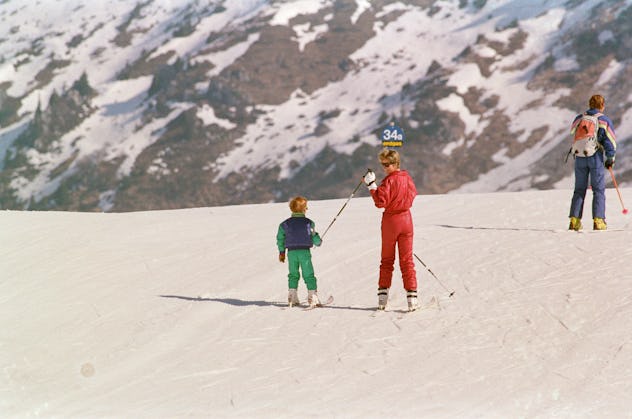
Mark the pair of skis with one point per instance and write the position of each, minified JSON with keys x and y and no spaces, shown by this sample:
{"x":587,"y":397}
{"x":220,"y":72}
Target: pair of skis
{"x":433,"y":303}
{"x":325,"y":303}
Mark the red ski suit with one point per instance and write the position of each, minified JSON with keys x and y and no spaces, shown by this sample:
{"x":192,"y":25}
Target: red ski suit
{"x":396,"y":194}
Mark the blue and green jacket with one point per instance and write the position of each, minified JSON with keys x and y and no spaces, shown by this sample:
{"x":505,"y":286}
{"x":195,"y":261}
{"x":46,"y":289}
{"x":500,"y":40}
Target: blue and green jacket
{"x":297,"y":232}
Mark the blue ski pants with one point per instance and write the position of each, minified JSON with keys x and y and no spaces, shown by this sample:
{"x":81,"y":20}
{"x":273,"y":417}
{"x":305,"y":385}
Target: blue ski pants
{"x":589,"y":167}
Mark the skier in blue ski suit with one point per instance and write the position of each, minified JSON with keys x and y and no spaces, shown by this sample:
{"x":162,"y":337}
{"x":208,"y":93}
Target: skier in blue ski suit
{"x":593,"y":167}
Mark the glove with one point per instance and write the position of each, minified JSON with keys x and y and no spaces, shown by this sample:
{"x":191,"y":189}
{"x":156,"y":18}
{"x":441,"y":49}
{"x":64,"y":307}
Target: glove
{"x":609,"y":163}
{"x":282,"y":257}
{"x":369,"y":179}
{"x":317,"y":240}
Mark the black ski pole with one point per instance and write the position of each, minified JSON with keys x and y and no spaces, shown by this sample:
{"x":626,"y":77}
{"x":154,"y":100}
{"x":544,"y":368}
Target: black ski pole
{"x":343,"y":207}
{"x":435,"y":276}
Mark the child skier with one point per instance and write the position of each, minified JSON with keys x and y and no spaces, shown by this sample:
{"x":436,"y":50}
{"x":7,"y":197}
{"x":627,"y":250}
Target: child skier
{"x":298,"y":235}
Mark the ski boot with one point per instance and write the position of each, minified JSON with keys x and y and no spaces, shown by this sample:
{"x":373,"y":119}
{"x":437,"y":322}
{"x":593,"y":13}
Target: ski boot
{"x":575,"y":224}
{"x":312,"y":298}
{"x":382,"y":298}
{"x":599,"y":224}
{"x":411,"y":298}
{"x":292,"y":298}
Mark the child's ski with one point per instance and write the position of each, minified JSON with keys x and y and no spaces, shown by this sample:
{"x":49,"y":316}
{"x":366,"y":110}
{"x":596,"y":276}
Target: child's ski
{"x":322,"y":303}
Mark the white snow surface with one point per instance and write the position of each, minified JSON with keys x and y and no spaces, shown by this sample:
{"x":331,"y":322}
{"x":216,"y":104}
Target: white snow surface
{"x":181,"y":314}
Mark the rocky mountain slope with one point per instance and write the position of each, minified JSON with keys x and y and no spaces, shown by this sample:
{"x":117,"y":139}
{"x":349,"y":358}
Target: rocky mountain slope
{"x":120,"y":106}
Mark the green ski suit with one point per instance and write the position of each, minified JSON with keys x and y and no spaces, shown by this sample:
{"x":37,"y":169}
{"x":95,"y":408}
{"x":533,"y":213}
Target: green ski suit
{"x":299,"y":256}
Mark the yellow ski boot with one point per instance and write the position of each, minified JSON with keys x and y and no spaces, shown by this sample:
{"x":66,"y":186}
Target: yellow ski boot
{"x":575,"y":224}
{"x":599,"y":224}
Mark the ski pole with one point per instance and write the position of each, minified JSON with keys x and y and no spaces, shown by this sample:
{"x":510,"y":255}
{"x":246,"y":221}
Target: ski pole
{"x":625,"y":210}
{"x":343,"y":207}
{"x":435,"y":276}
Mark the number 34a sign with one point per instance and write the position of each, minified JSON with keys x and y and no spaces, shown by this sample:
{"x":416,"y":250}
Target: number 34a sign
{"x":392,"y":136}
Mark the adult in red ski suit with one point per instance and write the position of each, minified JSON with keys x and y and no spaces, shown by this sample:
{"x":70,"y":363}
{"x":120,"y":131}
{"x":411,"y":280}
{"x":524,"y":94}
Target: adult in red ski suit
{"x":395,"y":194}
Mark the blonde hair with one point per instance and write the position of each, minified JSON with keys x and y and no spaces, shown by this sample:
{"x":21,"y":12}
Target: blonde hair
{"x":390,"y":156}
{"x":298,"y":204}
{"x":597,"y":102}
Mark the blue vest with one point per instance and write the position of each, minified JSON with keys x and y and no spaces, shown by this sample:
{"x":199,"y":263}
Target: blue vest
{"x":298,"y":233}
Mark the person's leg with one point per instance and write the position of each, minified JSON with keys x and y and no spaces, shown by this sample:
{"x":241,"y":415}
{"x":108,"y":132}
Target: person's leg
{"x":406,"y":262}
{"x":581,"y":184}
{"x":389,"y":239}
{"x":307,"y":268}
{"x":405,"y":248}
{"x":598,"y":184}
{"x":293,"y":265}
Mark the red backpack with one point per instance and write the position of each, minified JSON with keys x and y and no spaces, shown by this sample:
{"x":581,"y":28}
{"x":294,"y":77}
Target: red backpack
{"x":585,"y":142}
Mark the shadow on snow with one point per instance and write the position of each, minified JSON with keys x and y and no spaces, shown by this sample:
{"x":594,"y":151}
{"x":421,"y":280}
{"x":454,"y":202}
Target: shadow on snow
{"x":550,"y":230}
{"x":258,"y":303}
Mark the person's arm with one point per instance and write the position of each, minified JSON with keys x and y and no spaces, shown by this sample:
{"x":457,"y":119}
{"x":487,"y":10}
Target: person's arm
{"x":315,"y":236}
{"x":607,"y":136}
{"x":382,"y":194}
{"x":281,"y":243}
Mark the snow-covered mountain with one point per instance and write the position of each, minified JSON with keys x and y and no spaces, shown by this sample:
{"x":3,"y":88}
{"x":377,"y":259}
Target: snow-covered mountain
{"x":115,"y":105}
{"x":180,"y":314}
